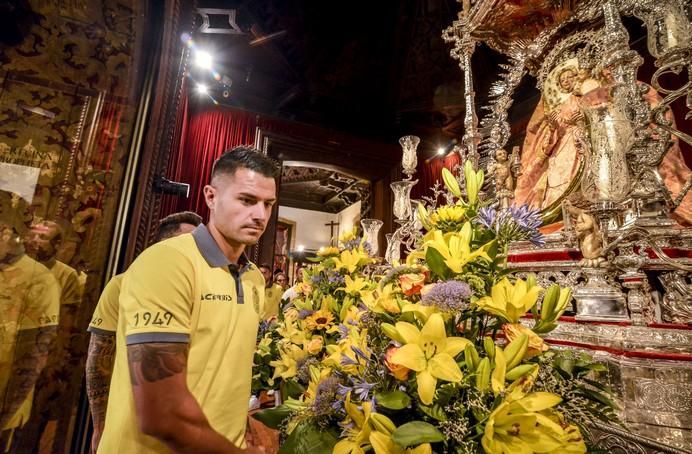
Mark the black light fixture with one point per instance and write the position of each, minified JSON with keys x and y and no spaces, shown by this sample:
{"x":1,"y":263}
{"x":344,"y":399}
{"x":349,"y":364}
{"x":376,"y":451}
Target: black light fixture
{"x":166,"y":186}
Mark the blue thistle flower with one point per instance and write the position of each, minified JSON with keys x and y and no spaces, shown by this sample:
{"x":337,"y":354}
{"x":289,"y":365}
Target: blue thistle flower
{"x":304,"y":313}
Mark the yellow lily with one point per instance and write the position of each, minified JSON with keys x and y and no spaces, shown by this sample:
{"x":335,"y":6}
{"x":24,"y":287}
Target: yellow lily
{"x":448,"y":218}
{"x":520,"y":427}
{"x":511,"y":301}
{"x":382,"y":300}
{"x":328,"y":251}
{"x":350,"y":260}
{"x":290,"y":331}
{"x":455,"y":247}
{"x":422,"y":312}
{"x":430,"y":353}
{"x":474,"y":182}
{"x":287,"y":366}
{"x":381,"y":438}
{"x":358,"y":436}
{"x":536,"y":346}
{"x":354,"y":286}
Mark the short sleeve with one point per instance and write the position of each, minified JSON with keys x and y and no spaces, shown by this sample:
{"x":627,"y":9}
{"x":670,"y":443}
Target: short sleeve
{"x":42,"y":302}
{"x":156,"y":297}
{"x":105,"y":318}
{"x":71,"y":294}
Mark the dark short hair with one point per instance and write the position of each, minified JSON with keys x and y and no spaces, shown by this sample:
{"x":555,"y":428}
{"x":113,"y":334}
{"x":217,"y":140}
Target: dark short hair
{"x":266,"y":265}
{"x":169,"y":225}
{"x":244,"y":157}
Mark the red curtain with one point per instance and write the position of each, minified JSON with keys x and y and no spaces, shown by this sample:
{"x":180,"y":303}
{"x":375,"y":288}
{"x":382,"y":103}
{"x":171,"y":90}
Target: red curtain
{"x":204,"y":137}
{"x":430,"y":172}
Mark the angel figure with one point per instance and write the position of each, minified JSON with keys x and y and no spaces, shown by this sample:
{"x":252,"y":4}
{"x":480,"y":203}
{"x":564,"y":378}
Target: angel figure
{"x":589,"y":236}
{"x":503,"y":173}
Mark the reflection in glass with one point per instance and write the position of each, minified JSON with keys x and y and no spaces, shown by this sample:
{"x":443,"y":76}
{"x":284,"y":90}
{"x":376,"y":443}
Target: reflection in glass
{"x":668,"y":28}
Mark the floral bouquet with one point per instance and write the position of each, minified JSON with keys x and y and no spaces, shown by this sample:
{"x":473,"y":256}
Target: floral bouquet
{"x":440,"y":354}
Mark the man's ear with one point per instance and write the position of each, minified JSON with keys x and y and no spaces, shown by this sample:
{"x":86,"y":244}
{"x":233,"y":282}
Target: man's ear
{"x":209,"y":195}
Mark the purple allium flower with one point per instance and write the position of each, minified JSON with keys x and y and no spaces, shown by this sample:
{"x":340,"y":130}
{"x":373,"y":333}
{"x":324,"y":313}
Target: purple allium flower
{"x":325,"y":395}
{"x":337,"y":279}
{"x":352,"y":244}
{"x":362,"y":389}
{"x":316,"y":279}
{"x":304,"y":313}
{"x":486,"y":216}
{"x":450,"y":296}
{"x":303,"y":368}
{"x":343,"y":331}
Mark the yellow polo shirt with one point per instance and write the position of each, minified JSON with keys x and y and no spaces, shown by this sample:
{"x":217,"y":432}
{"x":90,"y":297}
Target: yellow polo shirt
{"x":29,"y":299}
{"x":185,"y":290}
{"x":272,"y":301}
{"x":105,"y":318}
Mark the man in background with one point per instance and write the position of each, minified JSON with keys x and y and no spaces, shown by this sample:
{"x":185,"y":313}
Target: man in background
{"x":188,"y":306}
{"x":272,"y":293}
{"x":103,"y":325}
{"x":30,"y":306}
{"x":53,"y":388}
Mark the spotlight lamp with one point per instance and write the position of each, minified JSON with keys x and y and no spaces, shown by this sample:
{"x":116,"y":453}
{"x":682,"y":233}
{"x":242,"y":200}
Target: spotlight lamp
{"x":203,"y":59}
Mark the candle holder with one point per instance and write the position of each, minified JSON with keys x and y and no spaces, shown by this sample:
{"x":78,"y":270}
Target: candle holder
{"x":409,"y":159}
{"x":402,"y":199}
{"x":371,"y":228}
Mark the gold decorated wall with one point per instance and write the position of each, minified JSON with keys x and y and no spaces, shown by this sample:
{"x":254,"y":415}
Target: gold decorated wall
{"x":69,"y":92}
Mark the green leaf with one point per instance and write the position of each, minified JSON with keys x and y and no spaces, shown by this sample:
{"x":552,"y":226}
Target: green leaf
{"x":415,"y":433}
{"x":434,"y":411}
{"x":293,"y":388}
{"x":436,"y":262}
{"x":273,"y":417}
{"x":394,"y":400}
{"x":308,"y":439}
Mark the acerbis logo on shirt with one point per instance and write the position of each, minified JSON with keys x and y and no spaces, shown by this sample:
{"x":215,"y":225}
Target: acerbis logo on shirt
{"x":216,"y":297}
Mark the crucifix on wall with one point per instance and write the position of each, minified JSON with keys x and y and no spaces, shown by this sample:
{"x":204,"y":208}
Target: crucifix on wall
{"x":331,"y":226}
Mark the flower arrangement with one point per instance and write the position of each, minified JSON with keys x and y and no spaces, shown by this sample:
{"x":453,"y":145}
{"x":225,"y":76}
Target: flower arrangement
{"x":440,"y":354}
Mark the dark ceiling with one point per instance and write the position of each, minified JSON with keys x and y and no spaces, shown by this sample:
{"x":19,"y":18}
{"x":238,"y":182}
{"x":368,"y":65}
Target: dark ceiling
{"x":375,"y":69}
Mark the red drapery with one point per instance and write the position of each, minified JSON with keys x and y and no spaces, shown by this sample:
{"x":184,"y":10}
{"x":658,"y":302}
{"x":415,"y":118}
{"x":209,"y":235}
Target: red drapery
{"x":204,"y":137}
{"x":430,"y":172}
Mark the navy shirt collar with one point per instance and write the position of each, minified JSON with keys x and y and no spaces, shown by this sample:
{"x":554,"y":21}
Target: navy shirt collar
{"x":213,"y":254}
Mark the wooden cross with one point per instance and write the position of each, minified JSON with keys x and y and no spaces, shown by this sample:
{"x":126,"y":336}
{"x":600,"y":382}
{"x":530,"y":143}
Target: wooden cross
{"x":331,"y":226}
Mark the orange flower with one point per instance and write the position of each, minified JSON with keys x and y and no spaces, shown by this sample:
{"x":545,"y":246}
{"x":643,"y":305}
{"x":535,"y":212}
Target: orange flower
{"x":314,"y":346}
{"x":536,"y":344}
{"x":412,"y":283}
{"x":399,"y":372}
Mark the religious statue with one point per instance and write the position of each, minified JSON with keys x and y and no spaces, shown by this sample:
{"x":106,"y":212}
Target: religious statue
{"x":556,"y":141}
{"x":589,"y":236}
{"x":503,"y":171}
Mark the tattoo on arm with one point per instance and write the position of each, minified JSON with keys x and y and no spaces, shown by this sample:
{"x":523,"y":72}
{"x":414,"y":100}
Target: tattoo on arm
{"x":99,"y":368}
{"x":31,"y":353}
{"x":154,"y":362}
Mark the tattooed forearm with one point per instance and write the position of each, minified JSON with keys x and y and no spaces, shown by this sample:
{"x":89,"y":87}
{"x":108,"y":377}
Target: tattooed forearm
{"x":99,"y":368}
{"x":156,"y":361}
{"x":31,"y":353}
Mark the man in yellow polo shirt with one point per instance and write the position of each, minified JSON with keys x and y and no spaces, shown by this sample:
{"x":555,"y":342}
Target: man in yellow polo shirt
{"x":189,"y":311}
{"x":104,"y":322}
{"x":272,"y":293}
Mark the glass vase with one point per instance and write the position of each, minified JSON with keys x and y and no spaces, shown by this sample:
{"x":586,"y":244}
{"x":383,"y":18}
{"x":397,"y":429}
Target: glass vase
{"x":371,"y":228}
{"x":409,"y":159}
{"x":606,"y":174}
{"x":393,"y":253}
{"x":402,"y":199}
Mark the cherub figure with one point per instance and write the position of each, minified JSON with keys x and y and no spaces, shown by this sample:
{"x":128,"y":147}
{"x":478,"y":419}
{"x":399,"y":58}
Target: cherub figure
{"x":501,"y":171}
{"x":589,"y":236}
